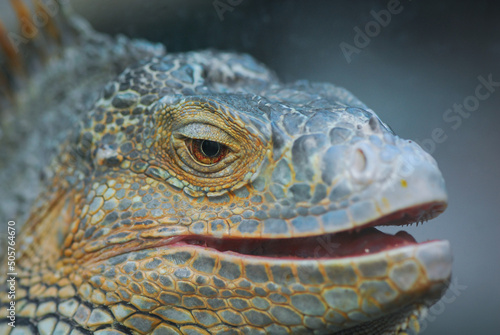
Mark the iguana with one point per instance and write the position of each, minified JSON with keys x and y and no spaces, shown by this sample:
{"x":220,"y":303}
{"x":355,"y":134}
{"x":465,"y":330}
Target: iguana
{"x":195,"y":193}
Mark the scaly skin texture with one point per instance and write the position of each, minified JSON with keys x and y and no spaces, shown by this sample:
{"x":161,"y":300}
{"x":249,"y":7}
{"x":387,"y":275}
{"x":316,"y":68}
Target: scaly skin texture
{"x":140,"y":231}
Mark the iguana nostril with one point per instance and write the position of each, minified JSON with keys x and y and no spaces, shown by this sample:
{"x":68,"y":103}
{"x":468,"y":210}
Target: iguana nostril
{"x":363,"y":163}
{"x":359,"y":160}
{"x":374,"y":124}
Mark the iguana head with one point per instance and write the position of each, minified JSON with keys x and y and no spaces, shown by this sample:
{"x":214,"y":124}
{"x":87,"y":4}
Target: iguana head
{"x":207,"y":194}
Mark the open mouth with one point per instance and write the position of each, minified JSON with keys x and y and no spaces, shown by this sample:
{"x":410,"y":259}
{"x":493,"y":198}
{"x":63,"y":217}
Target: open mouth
{"x":356,"y":242}
{"x":362,"y":240}
{"x":347,"y":244}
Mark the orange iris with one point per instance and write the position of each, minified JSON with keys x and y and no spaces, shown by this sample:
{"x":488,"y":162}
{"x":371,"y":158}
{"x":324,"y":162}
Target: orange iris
{"x":207,"y":152}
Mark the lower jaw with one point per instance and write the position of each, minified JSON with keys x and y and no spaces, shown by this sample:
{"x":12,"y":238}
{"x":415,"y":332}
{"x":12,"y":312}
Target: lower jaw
{"x":375,"y":283}
{"x":353,"y":289}
{"x":363,"y":255}
{"x":385,"y":271}
{"x":351,"y":285}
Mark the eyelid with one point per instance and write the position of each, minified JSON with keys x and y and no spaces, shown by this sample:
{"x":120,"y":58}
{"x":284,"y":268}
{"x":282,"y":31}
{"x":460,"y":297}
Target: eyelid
{"x":207,"y":132}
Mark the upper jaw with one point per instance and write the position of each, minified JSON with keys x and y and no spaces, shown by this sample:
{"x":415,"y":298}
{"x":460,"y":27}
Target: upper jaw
{"x":412,"y":191}
{"x":378,"y":180}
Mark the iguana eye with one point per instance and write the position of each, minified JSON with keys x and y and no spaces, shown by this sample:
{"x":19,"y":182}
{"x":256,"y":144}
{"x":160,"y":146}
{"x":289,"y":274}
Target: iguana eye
{"x":207,"y":152}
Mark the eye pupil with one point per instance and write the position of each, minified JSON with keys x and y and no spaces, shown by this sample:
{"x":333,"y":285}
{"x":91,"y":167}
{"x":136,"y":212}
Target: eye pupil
{"x":207,"y":152}
{"x":210,"y":148}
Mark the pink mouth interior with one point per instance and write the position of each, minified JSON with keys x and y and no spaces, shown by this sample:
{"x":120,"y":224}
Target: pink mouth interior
{"x":348,"y":244}
{"x":356,"y":242}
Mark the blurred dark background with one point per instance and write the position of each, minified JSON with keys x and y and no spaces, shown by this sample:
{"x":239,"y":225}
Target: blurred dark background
{"x":411,"y":71}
